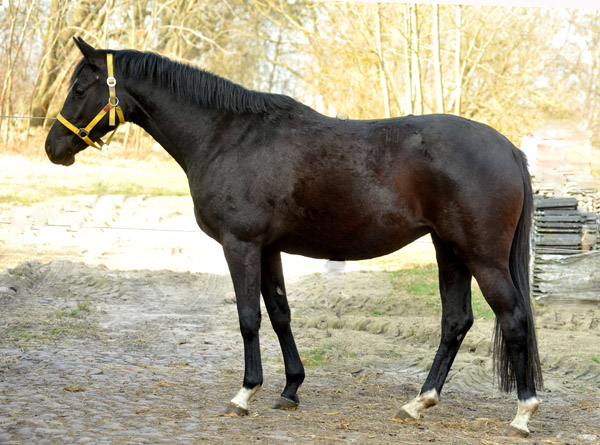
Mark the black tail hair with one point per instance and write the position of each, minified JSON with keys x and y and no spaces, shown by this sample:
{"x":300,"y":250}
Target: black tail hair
{"x":519,"y":271}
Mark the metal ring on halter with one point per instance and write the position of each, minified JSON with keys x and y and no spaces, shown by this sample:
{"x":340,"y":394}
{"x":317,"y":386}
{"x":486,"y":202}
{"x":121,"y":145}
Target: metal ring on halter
{"x":116,"y":104}
{"x":111,"y":81}
{"x":82,"y":133}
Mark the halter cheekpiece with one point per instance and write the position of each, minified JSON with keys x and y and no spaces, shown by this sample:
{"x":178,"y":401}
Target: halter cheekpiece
{"x":112,"y":108}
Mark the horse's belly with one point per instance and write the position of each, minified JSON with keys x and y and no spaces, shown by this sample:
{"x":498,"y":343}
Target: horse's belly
{"x":357,"y":246}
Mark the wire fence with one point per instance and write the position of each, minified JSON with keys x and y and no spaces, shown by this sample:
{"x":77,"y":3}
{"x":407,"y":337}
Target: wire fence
{"x":76,"y":227}
{"x":16,"y":116}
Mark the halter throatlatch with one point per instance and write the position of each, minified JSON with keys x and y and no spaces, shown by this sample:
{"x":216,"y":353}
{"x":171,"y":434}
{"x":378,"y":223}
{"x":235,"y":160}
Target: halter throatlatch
{"x":112,"y":108}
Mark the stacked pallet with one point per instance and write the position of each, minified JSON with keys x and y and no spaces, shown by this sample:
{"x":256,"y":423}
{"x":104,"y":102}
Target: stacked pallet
{"x":566,"y":250}
{"x":558,"y":226}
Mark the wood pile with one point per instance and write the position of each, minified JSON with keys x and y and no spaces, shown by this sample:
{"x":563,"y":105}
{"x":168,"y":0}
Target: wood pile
{"x":562,"y":227}
{"x":566,"y":248}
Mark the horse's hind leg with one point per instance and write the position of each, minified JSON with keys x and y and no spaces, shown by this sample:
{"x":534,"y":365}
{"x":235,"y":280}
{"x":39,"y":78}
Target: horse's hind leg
{"x":515,"y":349}
{"x":457,"y":318}
{"x":273,"y":290}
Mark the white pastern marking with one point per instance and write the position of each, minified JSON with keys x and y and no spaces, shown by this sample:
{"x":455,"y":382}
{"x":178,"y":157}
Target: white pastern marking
{"x":525,"y":410}
{"x":421,"y":402}
{"x":280,"y":291}
{"x":244,"y":396}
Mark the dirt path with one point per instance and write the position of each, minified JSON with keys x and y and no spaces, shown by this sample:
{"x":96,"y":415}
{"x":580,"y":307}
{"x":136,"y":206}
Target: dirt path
{"x":90,"y":354}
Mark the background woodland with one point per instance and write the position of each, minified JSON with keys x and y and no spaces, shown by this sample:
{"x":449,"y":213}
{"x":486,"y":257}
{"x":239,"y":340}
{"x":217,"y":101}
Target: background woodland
{"x":516,"y":69}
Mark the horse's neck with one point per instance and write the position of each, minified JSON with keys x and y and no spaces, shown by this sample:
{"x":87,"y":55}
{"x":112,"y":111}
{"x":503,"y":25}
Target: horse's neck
{"x":182,"y":129}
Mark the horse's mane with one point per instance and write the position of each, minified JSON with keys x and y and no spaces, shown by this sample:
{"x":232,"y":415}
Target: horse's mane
{"x":195,"y":85}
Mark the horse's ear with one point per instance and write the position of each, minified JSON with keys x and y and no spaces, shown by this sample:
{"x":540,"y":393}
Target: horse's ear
{"x":89,"y":52}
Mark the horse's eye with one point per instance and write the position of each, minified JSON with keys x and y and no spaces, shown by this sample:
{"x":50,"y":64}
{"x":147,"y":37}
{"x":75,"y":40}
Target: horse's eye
{"x":79,"y":92}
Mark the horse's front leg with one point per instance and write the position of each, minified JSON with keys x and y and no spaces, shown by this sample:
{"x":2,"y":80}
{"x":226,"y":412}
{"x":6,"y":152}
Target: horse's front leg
{"x":274,"y":295}
{"x":243,"y":259}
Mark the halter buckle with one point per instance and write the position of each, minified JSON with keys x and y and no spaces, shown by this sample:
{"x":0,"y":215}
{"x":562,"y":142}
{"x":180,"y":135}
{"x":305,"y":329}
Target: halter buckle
{"x":111,"y":81}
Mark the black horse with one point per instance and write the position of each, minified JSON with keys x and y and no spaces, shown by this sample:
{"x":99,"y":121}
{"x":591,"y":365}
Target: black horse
{"x":268,"y":174}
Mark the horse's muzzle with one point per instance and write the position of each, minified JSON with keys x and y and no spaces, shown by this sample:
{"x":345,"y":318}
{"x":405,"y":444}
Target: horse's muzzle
{"x":61,"y":157}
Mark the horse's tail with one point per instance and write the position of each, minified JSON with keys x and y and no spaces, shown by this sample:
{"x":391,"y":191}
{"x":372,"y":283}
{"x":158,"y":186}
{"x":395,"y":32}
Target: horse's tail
{"x":519,"y":271}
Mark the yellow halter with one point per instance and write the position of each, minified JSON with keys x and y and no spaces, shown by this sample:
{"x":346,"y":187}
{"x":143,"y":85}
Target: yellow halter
{"x":112,"y":108}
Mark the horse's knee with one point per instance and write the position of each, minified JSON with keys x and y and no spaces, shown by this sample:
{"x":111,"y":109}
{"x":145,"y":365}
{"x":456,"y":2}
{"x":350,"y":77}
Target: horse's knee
{"x":280,"y":319}
{"x":280,"y":324}
{"x":455,"y":328}
{"x":249,"y":322}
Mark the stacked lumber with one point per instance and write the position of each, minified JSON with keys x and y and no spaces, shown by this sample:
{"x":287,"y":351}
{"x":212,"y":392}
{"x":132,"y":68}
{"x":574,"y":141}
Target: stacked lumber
{"x":566,"y":250}
{"x":558,"y":226}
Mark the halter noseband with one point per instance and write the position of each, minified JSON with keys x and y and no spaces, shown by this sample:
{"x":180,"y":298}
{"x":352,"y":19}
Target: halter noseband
{"x":111,"y":108}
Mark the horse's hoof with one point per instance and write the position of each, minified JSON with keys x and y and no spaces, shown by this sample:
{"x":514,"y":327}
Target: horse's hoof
{"x":234,"y":410}
{"x":515,"y":433}
{"x":403,"y":416}
{"x":286,"y":404}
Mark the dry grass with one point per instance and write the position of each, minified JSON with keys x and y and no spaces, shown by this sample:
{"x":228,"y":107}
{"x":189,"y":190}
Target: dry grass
{"x":31,"y":146}
{"x":29,"y":177}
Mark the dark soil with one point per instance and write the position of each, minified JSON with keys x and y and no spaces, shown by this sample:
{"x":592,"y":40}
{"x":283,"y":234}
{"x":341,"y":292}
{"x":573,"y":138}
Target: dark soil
{"x":89,"y":354}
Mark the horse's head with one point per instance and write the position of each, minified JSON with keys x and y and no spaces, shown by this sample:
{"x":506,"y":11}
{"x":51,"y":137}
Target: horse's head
{"x":90,"y":110}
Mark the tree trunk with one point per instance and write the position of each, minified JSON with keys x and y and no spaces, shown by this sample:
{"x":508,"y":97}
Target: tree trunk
{"x":408,"y":59}
{"x":457,"y":68}
{"x":417,"y":89}
{"x":437,"y":64}
{"x":381,"y":67}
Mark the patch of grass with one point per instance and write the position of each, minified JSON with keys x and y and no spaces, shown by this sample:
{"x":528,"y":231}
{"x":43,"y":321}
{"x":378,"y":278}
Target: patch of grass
{"x":71,"y":313}
{"x":421,"y":286}
{"x":414,"y":275}
{"x":424,"y":289}
{"x":84,"y":306}
{"x":418,"y":290}
{"x":393,"y":355}
{"x":480,"y":307}
{"x":596,"y":359}
{"x":72,"y":329}
{"x":377,"y":313}
{"x":349,"y":355}
{"x":36,"y":326}
{"x":314,"y":358}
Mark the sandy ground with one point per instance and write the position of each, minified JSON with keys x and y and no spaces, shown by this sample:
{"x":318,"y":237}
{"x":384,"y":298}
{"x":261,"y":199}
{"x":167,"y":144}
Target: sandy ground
{"x":127,"y":334}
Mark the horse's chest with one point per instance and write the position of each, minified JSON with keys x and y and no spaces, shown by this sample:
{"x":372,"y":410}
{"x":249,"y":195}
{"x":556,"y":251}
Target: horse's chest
{"x":205,"y":223}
